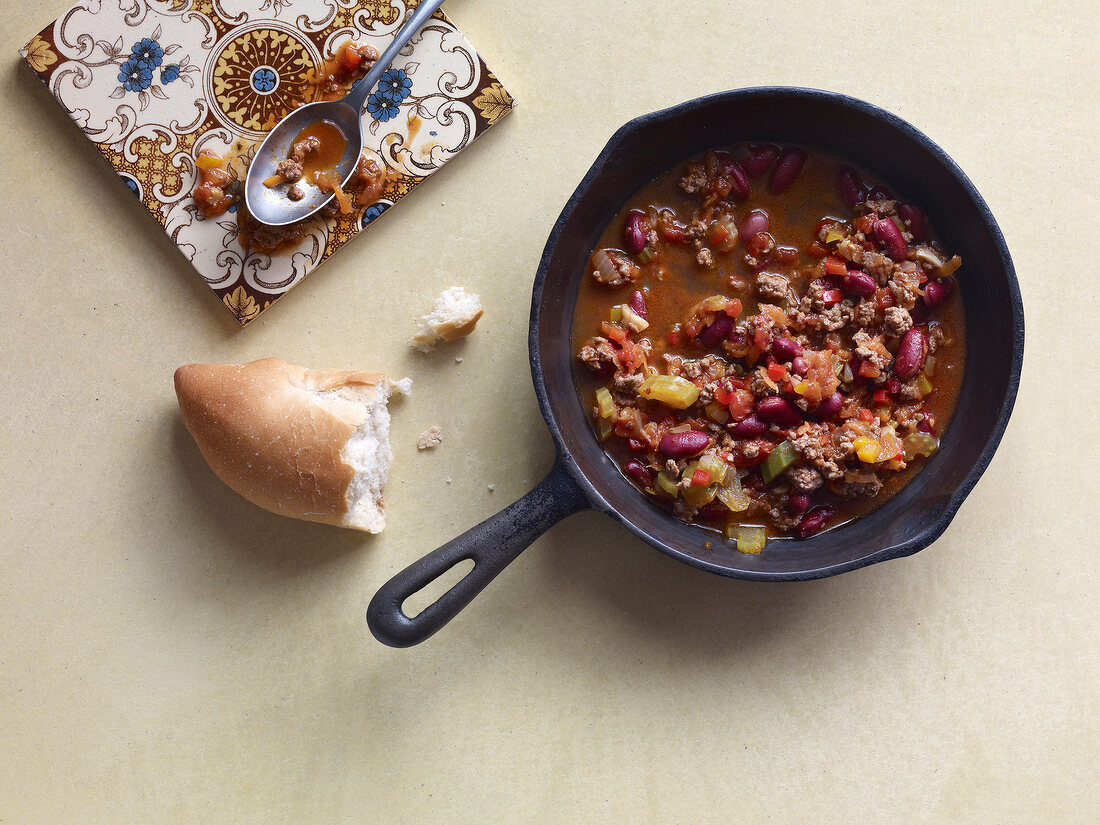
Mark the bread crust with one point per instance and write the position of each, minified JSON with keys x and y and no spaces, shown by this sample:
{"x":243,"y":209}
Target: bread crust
{"x":450,"y":330}
{"x":274,"y":432}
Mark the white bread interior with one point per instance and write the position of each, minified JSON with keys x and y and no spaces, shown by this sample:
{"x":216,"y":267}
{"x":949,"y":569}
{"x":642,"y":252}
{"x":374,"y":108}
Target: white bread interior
{"x":310,"y":444}
{"x":456,"y":313}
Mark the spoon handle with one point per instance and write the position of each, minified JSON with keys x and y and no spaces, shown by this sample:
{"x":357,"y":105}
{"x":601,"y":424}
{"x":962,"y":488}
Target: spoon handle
{"x":359,"y":92}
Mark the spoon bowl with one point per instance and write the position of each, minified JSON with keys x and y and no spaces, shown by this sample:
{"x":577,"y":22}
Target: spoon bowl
{"x":271,"y":205}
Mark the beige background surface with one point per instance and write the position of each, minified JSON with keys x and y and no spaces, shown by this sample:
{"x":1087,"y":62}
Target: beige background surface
{"x":170,"y":653}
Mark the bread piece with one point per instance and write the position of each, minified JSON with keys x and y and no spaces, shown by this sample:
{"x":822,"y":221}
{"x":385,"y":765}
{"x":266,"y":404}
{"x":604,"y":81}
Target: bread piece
{"x":310,"y":444}
{"x":455,"y":314}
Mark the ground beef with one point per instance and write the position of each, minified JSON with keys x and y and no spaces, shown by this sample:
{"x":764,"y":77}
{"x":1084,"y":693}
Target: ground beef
{"x":878,"y":266}
{"x":866,"y":313}
{"x":771,"y":287}
{"x":871,"y":348}
{"x":291,"y":168}
{"x":905,"y":285}
{"x":684,"y":511}
{"x":295,"y":192}
{"x":936,"y":337}
{"x":705,"y":257}
{"x":812,"y":442}
{"x":599,"y":356}
{"x":854,"y":489}
{"x":897,"y":321}
{"x":694,"y":179}
{"x":805,"y":479}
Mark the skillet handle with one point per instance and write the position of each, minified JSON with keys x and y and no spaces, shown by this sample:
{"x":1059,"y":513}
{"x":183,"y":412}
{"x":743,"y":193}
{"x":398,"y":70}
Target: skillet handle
{"x":492,"y":545}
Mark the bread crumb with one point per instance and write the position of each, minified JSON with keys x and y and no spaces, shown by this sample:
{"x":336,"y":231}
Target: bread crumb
{"x":431,"y":437}
{"x":458,"y":360}
{"x":456,"y":313}
{"x":492,"y":487}
{"x":447,"y":479}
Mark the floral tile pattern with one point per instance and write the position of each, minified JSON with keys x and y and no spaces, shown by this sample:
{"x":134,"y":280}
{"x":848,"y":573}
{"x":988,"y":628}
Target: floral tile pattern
{"x":154,"y":82}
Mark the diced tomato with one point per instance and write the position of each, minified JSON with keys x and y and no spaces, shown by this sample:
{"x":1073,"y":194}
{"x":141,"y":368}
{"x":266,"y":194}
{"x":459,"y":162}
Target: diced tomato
{"x":881,"y":396}
{"x":866,"y":223}
{"x":868,"y":370}
{"x":617,"y":334}
{"x":835,"y":265}
{"x":831,"y":296}
{"x":733,"y":307}
{"x":865,"y":414}
{"x":760,"y":339}
{"x":673,"y":338}
{"x":741,"y":404}
{"x":737,"y":383}
{"x":777,"y":372}
{"x":722,"y":395}
{"x":817,"y":250}
{"x":350,"y":58}
{"x":894,"y":386}
{"x":700,"y":478}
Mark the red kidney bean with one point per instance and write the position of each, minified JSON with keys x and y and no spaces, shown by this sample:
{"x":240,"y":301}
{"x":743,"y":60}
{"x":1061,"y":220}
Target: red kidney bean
{"x":879,"y":193}
{"x":911,"y":353}
{"x":925,"y":426}
{"x":683,"y":444}
{"x":779,"y":411}
{"x":760,"y":159}
{"x":829,"y":407}
{"x":718,"y":330}
{"x":851,"y":186}
{"x":920,"y":312}
{"x":858,"y":283}
{"x":893,"y":386}
{"x":815,"y":520}
{"x":799,"y":365}
{"x":637,"y":303}
{"x":914,"y":221}
{"x":787,"y":168}
{"x":729,"y":169}
{"x":936,"y":292}
{"x":750,"y":427}
{"x":738,"y":337}
{"x":755,"y":221}
{"x":644,"y":476}
{"x":786,"y":349}
{"x":634,"y":238}
{"x":888,"y":233}
{"x":712,"y":511}
{"x":798,"y":503}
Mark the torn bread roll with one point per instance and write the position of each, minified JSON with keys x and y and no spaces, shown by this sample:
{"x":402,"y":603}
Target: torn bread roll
{"x":456,"y":313}
{"x":310,"y":444}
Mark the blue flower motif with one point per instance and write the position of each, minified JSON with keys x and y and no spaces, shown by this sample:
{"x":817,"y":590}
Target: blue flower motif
{"x":380,"y":108}
{"x":135,"y":76}
{"x":394,"y":85}
{"x":169,"y":73}
{"x":371,"y":213}
{"x":263,"y":80}
{"x":148,"y":52}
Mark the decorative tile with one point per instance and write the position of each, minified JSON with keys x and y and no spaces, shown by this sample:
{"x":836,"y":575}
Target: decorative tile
{"x":154,"y":82}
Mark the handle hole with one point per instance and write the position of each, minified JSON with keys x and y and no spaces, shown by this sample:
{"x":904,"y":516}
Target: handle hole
{"x":437,"y":588}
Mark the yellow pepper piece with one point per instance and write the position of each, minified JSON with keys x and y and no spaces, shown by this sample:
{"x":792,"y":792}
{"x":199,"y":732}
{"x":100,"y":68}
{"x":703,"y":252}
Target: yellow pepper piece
{"x":604,"y":403}
{"x":670,"y":390}
{"x":867,"y":449}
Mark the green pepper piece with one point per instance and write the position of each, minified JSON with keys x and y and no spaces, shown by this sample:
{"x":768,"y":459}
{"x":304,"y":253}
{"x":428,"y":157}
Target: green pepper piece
{"x":782,"y":457}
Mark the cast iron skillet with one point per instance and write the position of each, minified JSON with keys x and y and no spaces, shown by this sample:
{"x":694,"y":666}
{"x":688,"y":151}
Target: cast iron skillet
{"x":583,"y":476}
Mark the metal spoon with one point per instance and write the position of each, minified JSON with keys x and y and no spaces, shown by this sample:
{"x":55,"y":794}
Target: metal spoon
{"x":271,"y":205}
